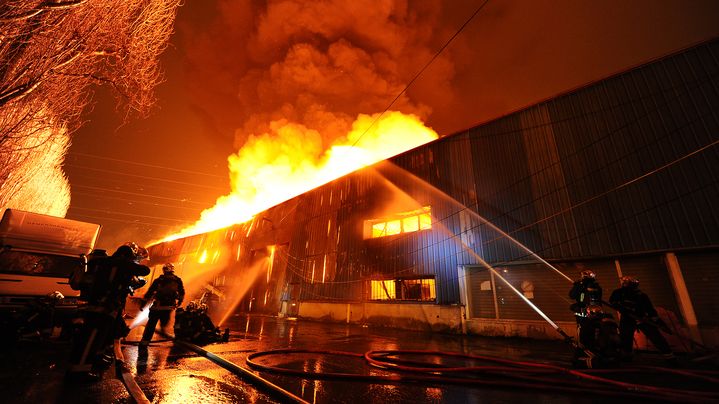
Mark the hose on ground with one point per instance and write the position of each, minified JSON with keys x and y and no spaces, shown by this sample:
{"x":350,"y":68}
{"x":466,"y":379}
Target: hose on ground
{"x":263,"y":384}
{"x":501,"y":373}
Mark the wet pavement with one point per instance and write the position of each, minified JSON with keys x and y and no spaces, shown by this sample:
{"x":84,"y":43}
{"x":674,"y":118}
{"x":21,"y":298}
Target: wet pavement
{"x":167,"y":373}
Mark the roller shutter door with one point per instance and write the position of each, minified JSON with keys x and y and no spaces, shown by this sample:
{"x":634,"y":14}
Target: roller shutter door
{"x":480,"y":293}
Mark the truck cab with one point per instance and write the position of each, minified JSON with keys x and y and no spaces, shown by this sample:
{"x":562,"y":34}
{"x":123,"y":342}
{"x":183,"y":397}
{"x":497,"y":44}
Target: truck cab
{"x":37,"y":254}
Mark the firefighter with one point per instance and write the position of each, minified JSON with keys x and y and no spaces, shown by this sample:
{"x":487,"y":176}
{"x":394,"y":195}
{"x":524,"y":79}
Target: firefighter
{"x":605,"y":342}
{"x":106,"y":296}
{"x":168,"y":292}
{"x":207,"y":332}
{"x":585,"y":292}
{"x":193,"y":324}
{"x":637,"y":312}
{"x":184,"y":321}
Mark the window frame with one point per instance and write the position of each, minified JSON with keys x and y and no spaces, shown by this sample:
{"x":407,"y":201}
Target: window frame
{"x":400,"y":291}
{"x":380,"y":227}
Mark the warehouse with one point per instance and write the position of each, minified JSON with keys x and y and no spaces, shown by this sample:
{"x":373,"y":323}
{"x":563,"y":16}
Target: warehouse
{"x":619,"y":176}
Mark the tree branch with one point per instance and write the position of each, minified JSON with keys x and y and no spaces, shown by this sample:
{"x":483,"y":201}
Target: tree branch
{"x":25,"y":89}
{"x":62,"y":5}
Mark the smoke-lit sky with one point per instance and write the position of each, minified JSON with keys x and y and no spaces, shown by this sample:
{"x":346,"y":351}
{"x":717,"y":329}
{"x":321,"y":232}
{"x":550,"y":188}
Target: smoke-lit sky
{"x":235,"y":66}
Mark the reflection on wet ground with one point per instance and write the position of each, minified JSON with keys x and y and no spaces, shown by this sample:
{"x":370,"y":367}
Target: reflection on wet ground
{"x":168,"y":373}
{"x":164,"y":369}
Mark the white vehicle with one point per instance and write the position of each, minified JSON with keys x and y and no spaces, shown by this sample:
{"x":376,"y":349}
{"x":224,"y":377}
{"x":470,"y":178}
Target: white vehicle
{"x":38,"y":253}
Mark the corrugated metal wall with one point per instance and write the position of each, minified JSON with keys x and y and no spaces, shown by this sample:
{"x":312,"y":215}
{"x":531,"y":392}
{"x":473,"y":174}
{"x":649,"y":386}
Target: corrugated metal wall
{"x":624,"y":166}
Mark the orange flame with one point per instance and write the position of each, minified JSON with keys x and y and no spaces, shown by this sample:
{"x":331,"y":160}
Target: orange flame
{"x":274,"y":167}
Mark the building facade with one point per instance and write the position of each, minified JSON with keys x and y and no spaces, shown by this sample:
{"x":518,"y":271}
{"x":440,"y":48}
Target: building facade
{"x":458,"y":235}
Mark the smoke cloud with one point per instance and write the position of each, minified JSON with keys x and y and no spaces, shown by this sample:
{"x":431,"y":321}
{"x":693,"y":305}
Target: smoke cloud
{"x":291,"y":79}
{"x":318,"y":64}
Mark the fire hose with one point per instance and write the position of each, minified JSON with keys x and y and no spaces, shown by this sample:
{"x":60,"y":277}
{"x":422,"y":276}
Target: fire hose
{"x":502,"y":373}
{"x":126,"y":376}
{"x":264,"y":384}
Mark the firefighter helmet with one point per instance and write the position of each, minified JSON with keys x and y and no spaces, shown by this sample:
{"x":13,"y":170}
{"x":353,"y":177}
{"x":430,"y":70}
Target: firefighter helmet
{"x":594,"y":310}
{"x":55,"y":297}
{"x":192,"y":306}
{"x":168,"y":268}
{"x":141,"y":254}
{"x":127,"y":251}
{"x":132,"y":252}
{"x":587,"y":273}
{"x":629,"y":282}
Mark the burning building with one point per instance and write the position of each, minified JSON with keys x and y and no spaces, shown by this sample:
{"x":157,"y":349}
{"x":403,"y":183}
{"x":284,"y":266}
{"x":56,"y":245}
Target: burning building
{"x":459,"y":234}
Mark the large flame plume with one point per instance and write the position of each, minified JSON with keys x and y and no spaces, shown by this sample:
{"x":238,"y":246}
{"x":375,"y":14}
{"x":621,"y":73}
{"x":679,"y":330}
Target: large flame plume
{"x":302,"y":85}
{"x":290,"y":159}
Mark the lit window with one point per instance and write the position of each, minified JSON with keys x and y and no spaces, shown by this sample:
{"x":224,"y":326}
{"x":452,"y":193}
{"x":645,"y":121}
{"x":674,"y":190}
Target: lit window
{"x":410,"y":224}
{"x":423,"y":289}
{"x":405,"y":222}
{"x":425,"y":221}
{"x":383,"y":290}
{"x":203,"y":257}
{"x":378,"y":230}
{"x":418,"y":289}
{"x":394,"y":227}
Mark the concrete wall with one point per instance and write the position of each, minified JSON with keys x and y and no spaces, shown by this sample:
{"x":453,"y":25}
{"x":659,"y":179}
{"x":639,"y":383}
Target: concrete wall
{"x":439,"y":318}
{"x":411,"y":316}
{"x":429,"y":317}
{"x":519,"y":328}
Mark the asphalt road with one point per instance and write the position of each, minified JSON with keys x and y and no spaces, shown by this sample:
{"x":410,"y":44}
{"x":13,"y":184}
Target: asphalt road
{"x":33,"y":371}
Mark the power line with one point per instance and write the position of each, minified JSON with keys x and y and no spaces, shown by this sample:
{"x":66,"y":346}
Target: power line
{"x":100,"y":218}
{"x":146,"y":165}
{"x":144,"y":177}
{"x":131,"y":184}
{"x":624,"y":185}
{"x":576,"y":152}
{"x":133,"y":201}
{"x":416,"y":76}
{"x":134,"y":214}
{"x":419,"y":73}
{"x":139,"y":194}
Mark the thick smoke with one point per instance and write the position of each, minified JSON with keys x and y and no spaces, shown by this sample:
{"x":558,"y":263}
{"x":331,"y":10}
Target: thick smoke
{"x":318,"y":64}
{"x":311,"y":79}
{"x":295,"y":82}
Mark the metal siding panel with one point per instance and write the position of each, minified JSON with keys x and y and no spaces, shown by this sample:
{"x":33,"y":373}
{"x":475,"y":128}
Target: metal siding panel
{"x":604,"y":135}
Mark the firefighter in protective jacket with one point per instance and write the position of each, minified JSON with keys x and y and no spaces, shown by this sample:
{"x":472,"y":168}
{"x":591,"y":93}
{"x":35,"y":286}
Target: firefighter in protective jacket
{"x":638,"y":312}
{"x":168,"y":292}
{"x":585,"y":292}
{"x":112,"y":279}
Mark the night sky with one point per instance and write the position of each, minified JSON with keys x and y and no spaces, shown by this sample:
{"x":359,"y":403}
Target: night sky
{"x":234,"y":66}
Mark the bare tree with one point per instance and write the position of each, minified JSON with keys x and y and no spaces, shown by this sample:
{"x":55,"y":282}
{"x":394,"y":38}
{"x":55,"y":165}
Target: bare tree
{"x":51,"y":51}
{"x":39,"y":185}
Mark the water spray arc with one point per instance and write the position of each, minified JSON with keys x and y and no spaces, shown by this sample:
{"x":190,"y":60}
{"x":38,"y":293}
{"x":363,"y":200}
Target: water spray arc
{"x":524,"y":298}
{"x":481,"y":260}
{"x":142,"y":316}
{"x":476,"y":215}
{"x":245,"y":282}
{"x":517,"y":243}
